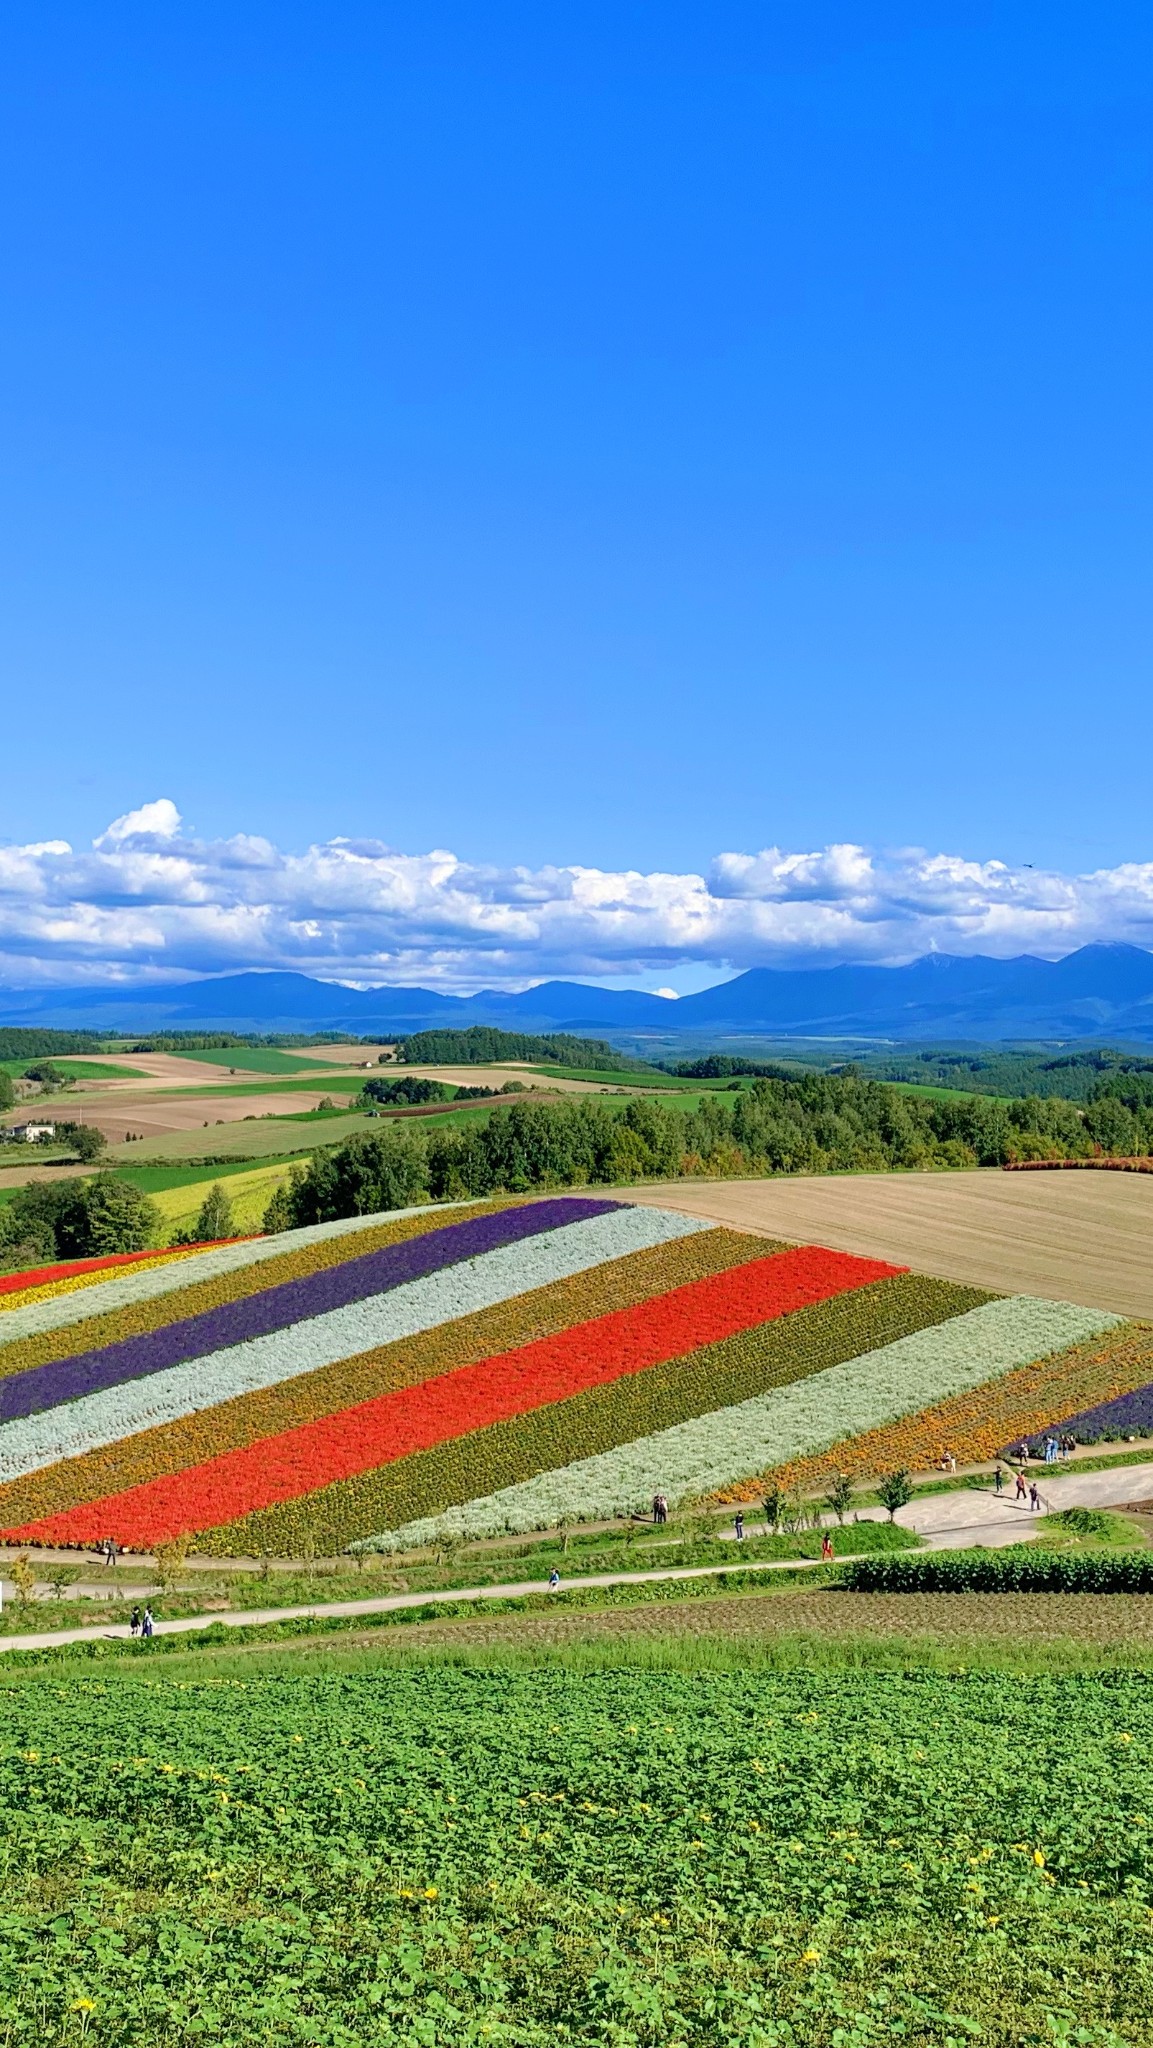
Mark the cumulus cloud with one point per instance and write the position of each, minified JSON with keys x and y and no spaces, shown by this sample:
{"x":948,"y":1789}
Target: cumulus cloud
{"x":150,"y":900}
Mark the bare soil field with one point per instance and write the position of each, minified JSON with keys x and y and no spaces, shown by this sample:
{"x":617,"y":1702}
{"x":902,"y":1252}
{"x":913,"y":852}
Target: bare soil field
{"x":1084,"y":1237}
{"x":154,"y":1116}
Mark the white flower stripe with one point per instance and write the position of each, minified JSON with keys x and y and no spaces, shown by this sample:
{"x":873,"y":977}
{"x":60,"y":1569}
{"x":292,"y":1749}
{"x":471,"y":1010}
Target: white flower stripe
{"x":95,"y":1420}
{"x":714,"y":1450}
{"x":125,"y":1289}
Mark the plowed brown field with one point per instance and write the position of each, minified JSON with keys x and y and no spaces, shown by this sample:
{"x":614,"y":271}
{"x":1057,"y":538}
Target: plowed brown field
{"x":1085,"y":1237}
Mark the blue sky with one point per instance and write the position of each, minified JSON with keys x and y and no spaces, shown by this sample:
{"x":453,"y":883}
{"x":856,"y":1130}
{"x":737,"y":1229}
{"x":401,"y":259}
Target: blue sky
{"x":606,"y":438}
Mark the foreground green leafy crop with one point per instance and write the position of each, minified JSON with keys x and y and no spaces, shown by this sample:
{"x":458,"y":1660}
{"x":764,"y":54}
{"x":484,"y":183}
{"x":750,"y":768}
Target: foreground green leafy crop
{"x":451,"y":1856}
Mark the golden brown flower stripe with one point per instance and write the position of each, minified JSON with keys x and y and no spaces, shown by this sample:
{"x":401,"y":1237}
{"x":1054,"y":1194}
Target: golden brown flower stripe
{"x":138,"y":1318}
{"x":620,"y":1283}
{"x":975,"y":1426}
{"x":719,"y":1375}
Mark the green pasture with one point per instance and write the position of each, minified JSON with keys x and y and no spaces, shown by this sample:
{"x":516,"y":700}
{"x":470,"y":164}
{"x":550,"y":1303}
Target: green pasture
{"x":623,"y":1079}
{"x":320,"y":1083}
{"x":158,"y":1180}
{"x":936,"y":1094}
{"x":265,"y":1138}
{"x":453,"y":1853}
{"x":76,"y":1070}
{"x":254,"y":1060}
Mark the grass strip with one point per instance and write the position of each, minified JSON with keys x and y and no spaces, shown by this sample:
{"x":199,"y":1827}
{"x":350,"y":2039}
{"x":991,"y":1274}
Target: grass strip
{"x":474,"y":1466}
{"x":619,"y":1283}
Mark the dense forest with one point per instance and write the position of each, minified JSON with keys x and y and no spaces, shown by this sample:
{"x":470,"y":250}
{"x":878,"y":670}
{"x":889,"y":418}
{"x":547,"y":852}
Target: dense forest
{"x":815,"y":1123}
{"x":18,"y":1042}
{"x":1083,"y":1076}
{"x":483,"y":1043}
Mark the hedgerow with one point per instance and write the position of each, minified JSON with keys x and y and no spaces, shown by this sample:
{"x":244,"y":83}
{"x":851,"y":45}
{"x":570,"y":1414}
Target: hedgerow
{"x":1005,"y":1571}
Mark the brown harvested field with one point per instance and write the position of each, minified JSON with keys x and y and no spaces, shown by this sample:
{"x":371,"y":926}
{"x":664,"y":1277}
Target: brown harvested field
{"x":1084,"y":1237}
{"x":1110,"y":1621}
{"x":342,"y":1055}
{"x":495,"y":1077}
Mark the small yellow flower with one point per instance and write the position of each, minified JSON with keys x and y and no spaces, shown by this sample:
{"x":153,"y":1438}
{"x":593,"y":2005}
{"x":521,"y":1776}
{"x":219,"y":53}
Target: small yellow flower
{"x":1039,"y":1858}
{"x":83,"y":2005}
{"x":430,"y":1892}
{"x":811,"y":1955}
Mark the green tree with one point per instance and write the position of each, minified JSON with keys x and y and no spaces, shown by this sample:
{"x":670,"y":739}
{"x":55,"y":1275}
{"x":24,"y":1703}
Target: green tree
{"x":214,"y":1219}
{"x":7,"y":1091}
{"x":895,"y":1492}
{"x":86,"y":1142}
{"x":116,"y":1217}
{"x":840,"y":1496}
{"x":279,"y":1213}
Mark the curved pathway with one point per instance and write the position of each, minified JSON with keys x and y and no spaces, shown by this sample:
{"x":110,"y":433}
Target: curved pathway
{"x":945,"y":1521}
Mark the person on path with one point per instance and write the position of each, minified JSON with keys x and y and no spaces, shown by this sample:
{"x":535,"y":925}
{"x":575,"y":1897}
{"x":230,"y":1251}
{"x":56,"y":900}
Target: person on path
{"x":134,"y":1624}
{"x":1021,"y":1489}
{"x":998,"y":1481}
{"x":1034,"y":1498}
{"x":739,"y":1526}
{"x":146,"y":1625}
{"x":553,"y":1580}
{"x":826,"y":1548}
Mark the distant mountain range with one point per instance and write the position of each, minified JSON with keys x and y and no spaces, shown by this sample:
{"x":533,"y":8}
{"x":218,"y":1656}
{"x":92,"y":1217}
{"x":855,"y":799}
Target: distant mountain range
{"x":1100,"y":992}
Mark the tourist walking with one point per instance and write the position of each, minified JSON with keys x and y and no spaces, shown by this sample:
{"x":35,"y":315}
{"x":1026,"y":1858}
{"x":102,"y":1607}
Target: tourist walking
{"x":739,"y":1526}
{"x":1021,"y":1487}
{"x":134,"y":1624}
{"x":998,"y":1480}
{"x":146,"y":1625}
{"x":1034,"y":1498}
{"x":553,"y":1580}
{"x":826,"y":1548}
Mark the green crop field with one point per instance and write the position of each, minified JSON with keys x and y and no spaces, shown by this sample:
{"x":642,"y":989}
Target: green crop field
{"x":320,"y":1083}
{"x":254,"y":1060}
{"x":76,"y":1070}
{"x":439,"y":1855}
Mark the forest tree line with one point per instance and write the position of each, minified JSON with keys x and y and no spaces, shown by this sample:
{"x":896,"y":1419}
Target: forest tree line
{"x":815,"y":1123}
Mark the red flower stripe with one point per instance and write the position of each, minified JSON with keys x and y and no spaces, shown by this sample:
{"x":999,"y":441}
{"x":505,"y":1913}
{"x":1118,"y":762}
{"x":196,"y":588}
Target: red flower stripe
{"x":395,"y":1425}
{"x":73,"y":1269}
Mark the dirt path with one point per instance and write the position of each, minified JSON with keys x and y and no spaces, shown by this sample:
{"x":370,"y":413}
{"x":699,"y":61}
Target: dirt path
{"x":949,"y":1521}
{"x":1084,"y":1237}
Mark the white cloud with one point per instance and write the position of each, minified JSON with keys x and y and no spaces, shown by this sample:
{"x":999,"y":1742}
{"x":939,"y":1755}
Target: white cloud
{"x":151,"y":900}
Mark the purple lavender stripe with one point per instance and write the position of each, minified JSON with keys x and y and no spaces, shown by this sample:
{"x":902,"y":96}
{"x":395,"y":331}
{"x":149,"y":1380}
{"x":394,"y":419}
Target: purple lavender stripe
{"x":294,"y":1301}
{"x":1126,"y":1415}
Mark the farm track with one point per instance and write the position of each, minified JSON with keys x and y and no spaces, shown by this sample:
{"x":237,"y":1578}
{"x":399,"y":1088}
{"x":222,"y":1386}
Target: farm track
{"x":944,"y":1521}
{"x":1081,"y":1237}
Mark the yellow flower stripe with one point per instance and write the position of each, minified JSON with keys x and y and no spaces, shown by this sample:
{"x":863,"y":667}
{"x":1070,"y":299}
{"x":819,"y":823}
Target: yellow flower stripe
{"x":621,"y":1283}
{"x":976,"y":1425}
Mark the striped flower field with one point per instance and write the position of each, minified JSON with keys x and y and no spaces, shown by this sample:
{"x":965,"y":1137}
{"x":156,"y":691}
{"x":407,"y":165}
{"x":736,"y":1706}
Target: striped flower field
{"x":466,"y":1370}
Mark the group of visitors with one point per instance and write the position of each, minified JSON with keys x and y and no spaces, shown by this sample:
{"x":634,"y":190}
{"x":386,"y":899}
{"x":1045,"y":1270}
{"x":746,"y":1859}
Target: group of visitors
{"x":660,"y":1509}
{"x":1023,"y":1489}
{"x":141,"y":1624}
